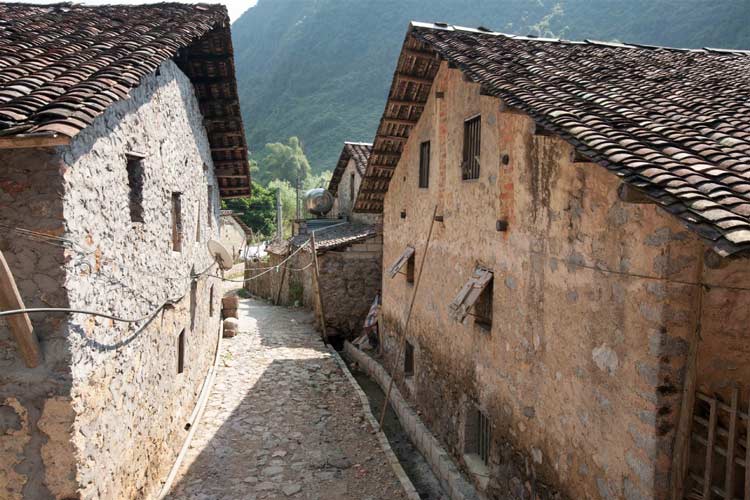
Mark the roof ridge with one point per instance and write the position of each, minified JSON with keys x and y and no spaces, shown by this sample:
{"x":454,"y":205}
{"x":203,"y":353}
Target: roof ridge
{"x":587,"y":41}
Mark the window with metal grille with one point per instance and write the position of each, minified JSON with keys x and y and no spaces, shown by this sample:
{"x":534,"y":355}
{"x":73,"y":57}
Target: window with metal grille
{"x":472,"y":148}
{"x":424,"y":165}
{"x":211,"y":302}
{"x":409,"y":360}
{"x":135,"y":184}
{"x":177,"y":222}
{"x":477,"y":434}
{"x":193,"y":302}
{"x":181,"y":352}
{"x":351,"y":188}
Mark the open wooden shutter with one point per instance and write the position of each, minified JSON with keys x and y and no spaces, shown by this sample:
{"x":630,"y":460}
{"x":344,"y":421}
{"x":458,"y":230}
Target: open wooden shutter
{"x":396,"y":266}
{"x":469,"y":293}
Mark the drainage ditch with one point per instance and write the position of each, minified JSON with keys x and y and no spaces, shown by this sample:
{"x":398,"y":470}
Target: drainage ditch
{"x":412,"y":461}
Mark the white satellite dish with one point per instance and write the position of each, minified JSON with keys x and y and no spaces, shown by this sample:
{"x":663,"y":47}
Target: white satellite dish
{"x":220,"y":255}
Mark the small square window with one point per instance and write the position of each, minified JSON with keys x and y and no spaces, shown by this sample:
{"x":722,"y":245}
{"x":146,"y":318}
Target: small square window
{"x":472,"y":148}
{"x":409,"y":360}
{"x":483,"y":307}
{"x":135,"y":185}
{"x":210,"y":206}
{"x":410,"y":268}
{"x":177,"y":222}
{"x":181,"y":352}
{"x":424,"y":165}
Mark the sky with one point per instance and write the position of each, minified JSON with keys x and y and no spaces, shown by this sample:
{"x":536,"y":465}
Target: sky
{"x":235,"y":7}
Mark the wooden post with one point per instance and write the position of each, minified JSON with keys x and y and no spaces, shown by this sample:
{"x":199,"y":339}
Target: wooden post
{"x":317,"y":286}
{"x":19,"y":324}
{"x":281,"y":285}
{"x":408,"y":317}
{"x":731,"y":440}
{"x":681,"y":455}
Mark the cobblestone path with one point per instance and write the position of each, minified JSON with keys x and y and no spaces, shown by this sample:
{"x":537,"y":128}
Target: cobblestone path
{"x":282,"y":421}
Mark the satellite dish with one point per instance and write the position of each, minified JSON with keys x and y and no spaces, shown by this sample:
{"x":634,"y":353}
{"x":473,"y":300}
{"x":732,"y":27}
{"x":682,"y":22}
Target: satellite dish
{"x":220,"y":255}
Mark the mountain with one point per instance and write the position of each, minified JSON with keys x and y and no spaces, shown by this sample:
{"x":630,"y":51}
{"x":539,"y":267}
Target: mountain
{"x":321,"y":69}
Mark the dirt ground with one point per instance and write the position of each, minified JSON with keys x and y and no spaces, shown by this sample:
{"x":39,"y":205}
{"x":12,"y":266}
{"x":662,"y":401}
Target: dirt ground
{"x":282,"y":421}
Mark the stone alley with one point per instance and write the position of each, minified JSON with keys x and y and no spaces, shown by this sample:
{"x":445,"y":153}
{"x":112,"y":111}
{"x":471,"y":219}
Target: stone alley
{"x":283,"y":421}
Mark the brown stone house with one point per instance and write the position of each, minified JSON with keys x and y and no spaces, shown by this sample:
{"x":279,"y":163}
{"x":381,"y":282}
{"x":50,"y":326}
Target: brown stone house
{"x":119,"y":131}
{"x":581,"y":318}
{"x":350,"y":252}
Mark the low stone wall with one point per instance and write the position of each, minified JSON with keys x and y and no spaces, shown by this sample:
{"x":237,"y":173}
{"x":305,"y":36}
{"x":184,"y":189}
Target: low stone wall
{"x":441,"y":463}
{"x":349,"y":280}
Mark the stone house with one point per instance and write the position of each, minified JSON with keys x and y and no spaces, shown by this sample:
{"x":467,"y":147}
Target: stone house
{"x":580,"y":323}
{"x":346,"y":180}
{"x":350,"y":255}
{"x":119,"y":131}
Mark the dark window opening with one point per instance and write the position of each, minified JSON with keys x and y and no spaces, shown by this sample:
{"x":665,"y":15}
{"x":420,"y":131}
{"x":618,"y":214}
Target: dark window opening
{"x":210,"y":207}
{"x":177,"y":222}
{"x":472,"y":148}
{"x":410,"y":269}
{"x":477,"y":434}
{"x":409,"y":360}
{"x":181,"y":352}
{"x":424,"y":165}
{"x":351,"y":188}
{"x":198,"y":224}
{"x":135,"y":184}
{"x":193,"y":302}
{"x":483,"y":307}
{"x":211,"y":302}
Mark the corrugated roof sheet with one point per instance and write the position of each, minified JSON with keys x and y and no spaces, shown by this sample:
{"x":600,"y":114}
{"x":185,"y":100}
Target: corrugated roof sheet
{"x":62,"y":65}
{"x":338,"y":235}
{"x":360,"y":152}
{"x":672,"y":123}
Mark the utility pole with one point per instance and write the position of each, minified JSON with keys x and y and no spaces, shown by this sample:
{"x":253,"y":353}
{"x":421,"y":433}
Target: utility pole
{"x":297,"y":198}
{"x":279,"y":220}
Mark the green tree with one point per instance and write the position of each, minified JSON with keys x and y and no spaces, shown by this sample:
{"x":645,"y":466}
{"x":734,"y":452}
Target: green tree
{"x":288,"y":204}
{"x":258,"y":211}
{"x":285,"y":161}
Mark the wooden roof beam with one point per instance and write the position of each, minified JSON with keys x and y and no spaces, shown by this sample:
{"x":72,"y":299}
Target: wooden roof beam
{"x":399,"y":121}
{"x":425,"y":54}
{"x":413,"y":79}
{"x":399,"y":102}
{"x":33,"y":141}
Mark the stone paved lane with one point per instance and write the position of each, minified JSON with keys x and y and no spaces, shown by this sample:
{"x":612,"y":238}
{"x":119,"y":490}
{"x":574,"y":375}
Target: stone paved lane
{"x":282,"y":421}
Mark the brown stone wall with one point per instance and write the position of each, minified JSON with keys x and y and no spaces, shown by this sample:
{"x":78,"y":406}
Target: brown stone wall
{"x":36,"y":418}
{"x":350,"y":277}
{"x":595,"y":301}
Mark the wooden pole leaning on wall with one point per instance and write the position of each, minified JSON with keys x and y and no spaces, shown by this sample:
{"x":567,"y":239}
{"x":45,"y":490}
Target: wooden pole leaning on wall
{"x":19,"y":324}
{"x":402,"y":342}
{"x":316,"y":270}
{"x":281,"y":285}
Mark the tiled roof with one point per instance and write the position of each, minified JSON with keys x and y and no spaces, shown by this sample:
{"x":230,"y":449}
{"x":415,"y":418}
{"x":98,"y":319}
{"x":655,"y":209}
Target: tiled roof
{"x":673,"y":123}
{"x":338,"y":235}
{"x":360,"y":152}
{"x":62,"y":65}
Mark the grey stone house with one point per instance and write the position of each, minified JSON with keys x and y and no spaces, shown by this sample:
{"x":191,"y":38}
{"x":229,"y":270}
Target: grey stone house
{"x":580,"y":320}
{"x":119,"y":131}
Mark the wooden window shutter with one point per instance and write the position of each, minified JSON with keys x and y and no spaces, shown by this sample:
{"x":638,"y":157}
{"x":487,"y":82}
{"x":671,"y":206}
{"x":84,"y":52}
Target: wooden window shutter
{"x":403,"y":259}
{"x":469,"y":293}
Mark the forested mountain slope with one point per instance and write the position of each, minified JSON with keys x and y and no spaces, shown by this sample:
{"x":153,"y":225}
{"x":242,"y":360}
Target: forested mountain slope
{"x":320,"y":69}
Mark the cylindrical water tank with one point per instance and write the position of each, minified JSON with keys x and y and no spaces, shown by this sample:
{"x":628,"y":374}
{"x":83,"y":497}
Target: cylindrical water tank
{"x":318,"y":201}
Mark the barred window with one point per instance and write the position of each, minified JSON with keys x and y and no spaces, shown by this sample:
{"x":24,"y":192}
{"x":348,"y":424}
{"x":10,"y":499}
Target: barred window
{"x":424,"y":165}
{"x":472,"y":148}
{"x":136,"y":175}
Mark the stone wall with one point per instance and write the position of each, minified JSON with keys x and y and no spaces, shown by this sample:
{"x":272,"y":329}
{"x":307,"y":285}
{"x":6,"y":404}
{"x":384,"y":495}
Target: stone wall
{"x":595,"y":302}
{"x":233,"y":237}
{"x":350,"y":278}
{"x":36,"y":454}
{"x":116,"y":407}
